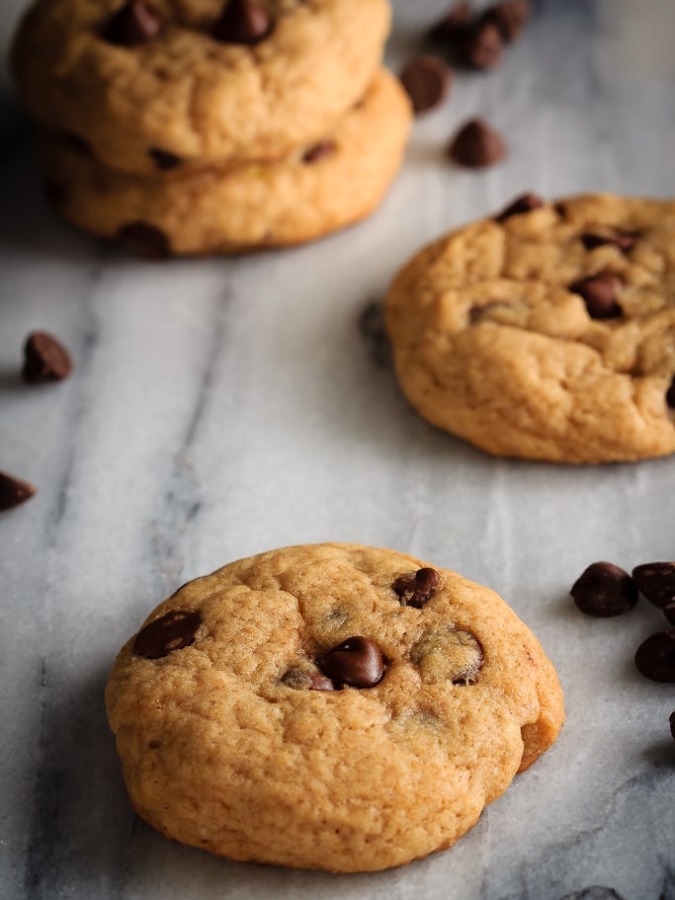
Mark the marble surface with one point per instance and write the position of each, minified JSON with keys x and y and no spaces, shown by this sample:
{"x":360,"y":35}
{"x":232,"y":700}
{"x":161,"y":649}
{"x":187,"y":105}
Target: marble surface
{"x":222,"y":407}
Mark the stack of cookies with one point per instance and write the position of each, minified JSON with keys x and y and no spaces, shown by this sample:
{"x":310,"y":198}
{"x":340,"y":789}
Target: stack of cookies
{"x":212,"y":126}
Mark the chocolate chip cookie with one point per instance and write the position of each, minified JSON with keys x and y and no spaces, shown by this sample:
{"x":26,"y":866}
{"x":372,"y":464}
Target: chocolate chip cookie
{"x":317,"y":189}
{"x":160,"y":85}
{"x":547,"y":332}
{"x":329,"y":706}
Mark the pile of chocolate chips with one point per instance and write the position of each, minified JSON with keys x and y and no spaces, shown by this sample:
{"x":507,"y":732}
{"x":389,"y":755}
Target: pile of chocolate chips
{"x":605,"y":590}
{"x":45,"y":360}
{"x":468,"y":40}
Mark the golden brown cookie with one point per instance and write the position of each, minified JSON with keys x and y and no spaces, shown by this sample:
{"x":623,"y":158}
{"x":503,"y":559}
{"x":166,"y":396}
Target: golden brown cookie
{"x":167,"y":84}
{"x":328,"y":706}
{"x":547,"y":332}
{"x":318,"y":189}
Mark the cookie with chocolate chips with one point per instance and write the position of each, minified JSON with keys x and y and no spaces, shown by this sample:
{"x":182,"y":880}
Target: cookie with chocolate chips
{"x":315,"y":190}
{"x":298,"y":708}
{"x":163,"y":86}
{"x":546,"y":332}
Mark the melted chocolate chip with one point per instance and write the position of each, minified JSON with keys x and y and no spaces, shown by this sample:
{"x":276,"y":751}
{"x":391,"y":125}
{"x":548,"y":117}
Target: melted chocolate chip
{"x":655,"y":657}
{"x":243,"y":22}
{"x":604,"y":590}
{"x":523,"y":204}
{"x":165,"y":160}
{"x":357,"y":662}
{"x":599,"y":293}
{"x":448,"y":655}
{"x":509,"y":18}
{"x":426,"y":80}
{"x":622,"y":240}
{"x":417,"y":588}
{"x":670,"y":394}
{"x":45,"y":359}
{"x":13,"y":491}
{"x":319,"y":151}
{"x":477,"y":145}
{"x":134,"y":24}
{"x":172,"y":631}
{"x":145,"y":240}
{"x":656,"y":582}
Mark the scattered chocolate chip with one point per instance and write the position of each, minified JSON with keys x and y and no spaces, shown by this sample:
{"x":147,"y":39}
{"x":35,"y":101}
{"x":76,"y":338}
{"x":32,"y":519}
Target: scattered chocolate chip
{"x":243,"y":22}
{"x":604,"y":590}
{"x":452,"y":26}
{"x":670,"y":394}
{"x":357,"y":662}
{"x":669,"y":612}
{"x":45,"y":359}
{"x":477,"y":145}
{"x":655,"y":657}
{"x":599,"y":293}
{"x":145,"y":240}
{"x":165,"y":160}
{"x":416,"y":588}
{"x":523,"y":204}
{"x":656,"y":582}
{"x":319,"y":151}
{"x":301,"y":679}
{"x":672,"y":724}
{"x":13,"y":491}
{"x":483,"y":47}
{"x":509,"y":18}
{"x":426,"y":80}
{"x":622,"y":240}
{"x":448,"y":655}
{"x":172,"y":631}
{"x":135,"y":23}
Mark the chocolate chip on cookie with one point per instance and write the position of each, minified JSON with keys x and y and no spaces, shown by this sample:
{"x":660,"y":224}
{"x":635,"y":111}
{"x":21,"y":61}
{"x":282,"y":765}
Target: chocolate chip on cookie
{"x":655,"y":657}
{"x":599,"y":293}
{"x":172,"y":631}
{"x":165,"y":160}
{"x":509,"y":17}
{"x":670,"y":394}
{"x":45,"y":359}
{"x":145,"y":240}
{"x":13,"y":491}
{"x":426,"y":80}
{"x":416,"y":588}
{"x":523,"y":204}
{"x":302,"y":679}
{"x":357,"y":662}
{"x":319,"y":151}
{"x":604,"y":590}
{"x":477,"y":145}
{"x":448,"y":655}
{"x":622,"y":240}
{"x":656,"y":582}
{"x":134,"y":24}
{"x":243,"y":22}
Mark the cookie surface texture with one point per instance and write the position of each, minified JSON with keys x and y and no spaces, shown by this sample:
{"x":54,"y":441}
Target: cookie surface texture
{"x":232,"y":740}
{"x":547,"y":335}
{"x":185,"y":94}
{"x":318,"y":189}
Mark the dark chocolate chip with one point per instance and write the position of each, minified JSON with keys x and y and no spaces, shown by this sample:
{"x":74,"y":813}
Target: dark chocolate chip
{"x":452,"y":26}
{"x":655,"y":657}
{"x":319,"y":151}
{"x":670,"y":394}
{"x":165,"y":160}
{"x":45,"y":359}
{"x":604,"y":590}
{"x":13,"y":491}
{"x":145,"y":240}
{"x":509,"y":18}
{"x":426,"y":80}
{"x":135,"y":23}
{"x":656,"y":582}
{"x":357,"y":662}
{"x":477,"y":145}
{"x":599,"y":293}
{"x":416,"y":588}
{"x":622,"y":240}
{"x":672,"y":724}
{"x":483,"y":48}
{"x":243,"y":22}
{"x":523,"y":204}
{"x":172,"y":631}
{"x":669,"y":612}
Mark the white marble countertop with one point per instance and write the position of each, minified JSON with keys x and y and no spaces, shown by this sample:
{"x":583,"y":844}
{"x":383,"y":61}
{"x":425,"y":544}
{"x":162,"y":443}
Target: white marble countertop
{"x":223,"y":407}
